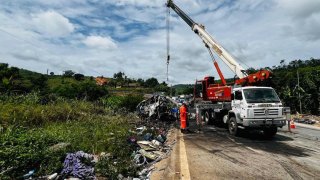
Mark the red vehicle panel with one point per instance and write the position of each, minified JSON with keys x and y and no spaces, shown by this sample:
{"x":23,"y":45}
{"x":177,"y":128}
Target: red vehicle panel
{"x":219,"y":93}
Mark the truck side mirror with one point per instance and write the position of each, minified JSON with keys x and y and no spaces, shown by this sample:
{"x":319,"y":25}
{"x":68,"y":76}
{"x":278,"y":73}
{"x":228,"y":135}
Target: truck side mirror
{"x":238,"y":95}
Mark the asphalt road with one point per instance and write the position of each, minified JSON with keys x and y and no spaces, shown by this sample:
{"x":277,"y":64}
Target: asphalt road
{"x":214,"y":154}
{"x":304,"y":132}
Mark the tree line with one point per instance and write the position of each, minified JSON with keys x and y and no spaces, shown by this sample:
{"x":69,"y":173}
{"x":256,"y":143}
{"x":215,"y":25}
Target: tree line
{"x":70,"y":84}
{"x":285,"y":78}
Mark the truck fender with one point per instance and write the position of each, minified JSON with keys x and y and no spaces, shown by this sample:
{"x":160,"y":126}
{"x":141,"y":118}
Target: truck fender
{"x":233,"y":114}
{"x":227,"y":117}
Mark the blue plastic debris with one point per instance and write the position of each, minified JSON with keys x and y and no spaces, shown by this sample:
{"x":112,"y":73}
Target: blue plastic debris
{"x":147,"y":137}
{"x":79,"y":165}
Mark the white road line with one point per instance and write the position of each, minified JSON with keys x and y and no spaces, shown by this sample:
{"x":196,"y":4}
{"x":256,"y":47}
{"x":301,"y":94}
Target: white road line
{"x":252,"y":149}
{"x":234,"y":141}
{"x":184,"y":166}
{"x":255,"y":150}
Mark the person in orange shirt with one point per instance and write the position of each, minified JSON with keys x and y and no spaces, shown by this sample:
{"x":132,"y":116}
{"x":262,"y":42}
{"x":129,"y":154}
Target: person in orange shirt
{"x":183,"y":117}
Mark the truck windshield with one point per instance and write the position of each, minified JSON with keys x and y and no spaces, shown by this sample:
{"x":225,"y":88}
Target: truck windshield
{"x":260,"y":95}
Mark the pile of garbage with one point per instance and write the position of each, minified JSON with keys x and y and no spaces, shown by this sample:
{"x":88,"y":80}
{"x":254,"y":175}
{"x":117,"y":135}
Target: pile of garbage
{"x":157,"y":108}
{"x":150,"y":145}
{"x":306,"y":119}
{"x":147,"y":139}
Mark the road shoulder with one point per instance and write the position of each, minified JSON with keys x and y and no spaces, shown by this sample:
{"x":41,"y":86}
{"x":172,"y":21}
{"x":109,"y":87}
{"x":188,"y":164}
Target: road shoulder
{"x":169,"y":167}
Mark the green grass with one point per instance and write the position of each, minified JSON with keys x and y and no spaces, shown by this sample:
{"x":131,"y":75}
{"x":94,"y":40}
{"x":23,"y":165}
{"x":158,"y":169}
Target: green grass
{"x":28,"y":129}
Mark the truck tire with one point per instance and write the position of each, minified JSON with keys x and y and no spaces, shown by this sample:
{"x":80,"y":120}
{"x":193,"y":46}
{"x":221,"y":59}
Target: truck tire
{"x":270,"y":132}
{"x":233,"y":126}
{"x":207,"y":117}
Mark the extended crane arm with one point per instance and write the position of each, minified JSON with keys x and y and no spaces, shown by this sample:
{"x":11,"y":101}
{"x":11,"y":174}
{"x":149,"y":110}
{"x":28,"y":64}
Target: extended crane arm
{"x":208,"y":40}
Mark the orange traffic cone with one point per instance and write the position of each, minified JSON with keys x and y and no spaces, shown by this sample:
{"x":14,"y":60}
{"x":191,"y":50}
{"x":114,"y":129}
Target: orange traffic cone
{"x":292,"y":125}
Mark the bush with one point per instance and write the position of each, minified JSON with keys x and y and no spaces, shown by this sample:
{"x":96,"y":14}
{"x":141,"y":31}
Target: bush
{"x":25,"y":142}
{"x":25,"y":150}
{"x":27,"y":111}
{"x":81,"y":90}
{"x":129,"y":102}
{"x":29,"y":127}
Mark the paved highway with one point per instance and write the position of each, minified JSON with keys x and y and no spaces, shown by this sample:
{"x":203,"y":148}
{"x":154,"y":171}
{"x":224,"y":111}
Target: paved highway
{"x":214,"y":154}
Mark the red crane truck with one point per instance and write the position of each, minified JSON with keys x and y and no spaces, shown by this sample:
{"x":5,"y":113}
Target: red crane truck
{"x":239,"y":105}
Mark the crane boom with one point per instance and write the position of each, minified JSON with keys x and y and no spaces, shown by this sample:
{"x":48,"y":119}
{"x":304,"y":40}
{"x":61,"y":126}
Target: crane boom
{"x":209,"y":41}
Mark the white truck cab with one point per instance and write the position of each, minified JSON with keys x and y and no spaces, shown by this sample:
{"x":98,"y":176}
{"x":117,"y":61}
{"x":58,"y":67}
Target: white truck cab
{"x":256,"y":107}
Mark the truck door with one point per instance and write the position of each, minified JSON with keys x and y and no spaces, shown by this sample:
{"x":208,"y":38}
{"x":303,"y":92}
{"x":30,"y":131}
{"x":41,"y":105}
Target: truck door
{"x":237,"y":102}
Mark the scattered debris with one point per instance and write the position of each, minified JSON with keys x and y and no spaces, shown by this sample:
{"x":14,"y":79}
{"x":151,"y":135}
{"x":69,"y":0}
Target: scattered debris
{"x":139,"y":159}
{"x":156,"y":107}
{"x":305,"y":121}
{"x":29,"y":174}
{"x":149,"y":138}
{"x":53,"y":176}
{"x":79,"y":165}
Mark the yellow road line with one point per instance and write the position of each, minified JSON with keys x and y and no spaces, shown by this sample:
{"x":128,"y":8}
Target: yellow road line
{"x":184,"y":167}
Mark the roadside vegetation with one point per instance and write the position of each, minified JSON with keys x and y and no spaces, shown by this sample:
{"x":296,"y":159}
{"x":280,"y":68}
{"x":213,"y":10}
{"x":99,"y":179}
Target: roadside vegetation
{"x":30,"y":131}
{"x":285,"y":81}
{"x":43,"y":117}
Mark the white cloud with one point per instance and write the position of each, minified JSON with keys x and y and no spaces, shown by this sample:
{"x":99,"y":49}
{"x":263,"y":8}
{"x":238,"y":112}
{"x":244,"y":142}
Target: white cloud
{"x":52,"y":23}
{"x":153,"y":3}
{"x":300,"y":9}
{"x":100,"y":42}
{"x":260,"y":33}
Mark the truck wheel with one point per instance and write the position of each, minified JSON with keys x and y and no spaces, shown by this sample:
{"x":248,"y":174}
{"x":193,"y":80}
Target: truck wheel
{"x":270,"y":132}
{"x":207,"y":117}
{"x":233,"y":126}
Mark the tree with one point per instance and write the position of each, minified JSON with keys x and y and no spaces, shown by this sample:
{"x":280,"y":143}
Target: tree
{"x":51,"y":73}
{"x":151,"y":82}
{"x":283,"y":63}
{"x":119,"y":78}
{"x":141,"y":82}
{"x":118,"y":75}
{"x":78,"y":77}
{"x":39,"y":82}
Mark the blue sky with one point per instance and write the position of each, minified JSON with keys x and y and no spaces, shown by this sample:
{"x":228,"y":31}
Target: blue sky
{"x":102,"y":37}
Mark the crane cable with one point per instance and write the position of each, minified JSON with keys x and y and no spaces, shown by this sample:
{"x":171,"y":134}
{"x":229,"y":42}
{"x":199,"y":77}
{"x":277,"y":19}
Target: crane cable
{"x":168,"y":40}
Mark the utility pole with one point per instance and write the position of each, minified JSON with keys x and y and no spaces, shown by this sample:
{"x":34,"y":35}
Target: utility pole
{"x":299,"y":92}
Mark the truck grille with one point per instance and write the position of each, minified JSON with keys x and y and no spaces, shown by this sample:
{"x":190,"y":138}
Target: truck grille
{"x":266,"y":112}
